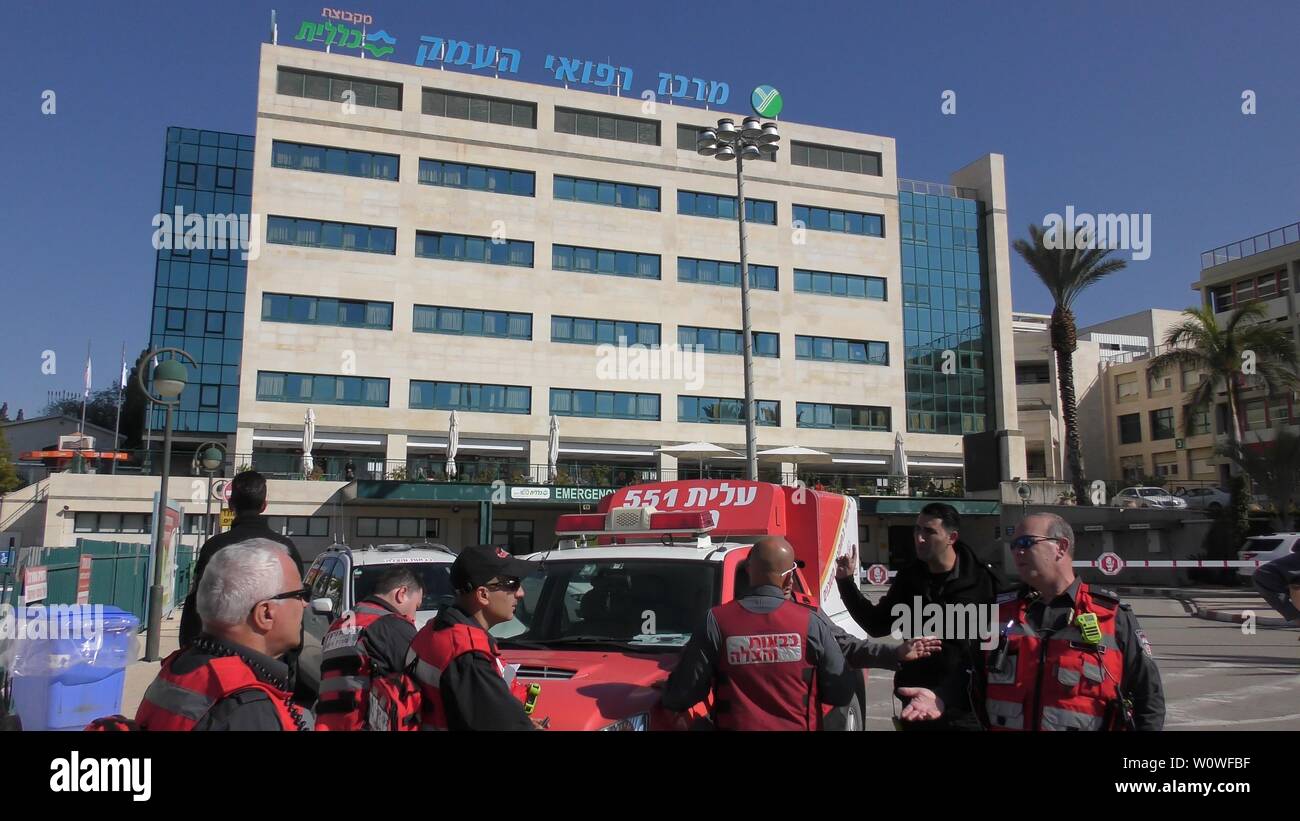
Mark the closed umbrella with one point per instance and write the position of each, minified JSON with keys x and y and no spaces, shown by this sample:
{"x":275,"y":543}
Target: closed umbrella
{"x":453,"y":441}
{"x":900,"y":461}
{"x":308,"y":440}
{"x":553,"y":450}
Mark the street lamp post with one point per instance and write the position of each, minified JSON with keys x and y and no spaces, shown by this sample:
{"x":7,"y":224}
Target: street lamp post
{"x":750,"y":142}
{"x":210,"y":457}
{"x":169,"y":378}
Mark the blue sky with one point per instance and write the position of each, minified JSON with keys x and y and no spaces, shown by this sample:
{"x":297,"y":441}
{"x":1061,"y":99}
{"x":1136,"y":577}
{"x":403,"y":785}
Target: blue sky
{"x":1107,"y":106}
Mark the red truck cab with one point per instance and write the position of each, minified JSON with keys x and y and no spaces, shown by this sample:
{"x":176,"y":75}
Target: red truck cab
{"x":606,"y":616}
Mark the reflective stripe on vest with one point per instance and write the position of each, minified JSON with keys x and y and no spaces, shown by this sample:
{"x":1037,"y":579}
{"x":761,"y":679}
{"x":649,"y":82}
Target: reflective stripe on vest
{"x":177,"y":702}
{"x":765,"y":679}
{"x":348,"y":675}
{"x":433,"y":651}
{"x":1072,"y":683}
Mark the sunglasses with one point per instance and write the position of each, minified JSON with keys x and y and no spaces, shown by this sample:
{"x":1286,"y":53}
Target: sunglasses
{"x":1028,"y":542}
{"x":509,"y":585}
{"x":302,"y":595}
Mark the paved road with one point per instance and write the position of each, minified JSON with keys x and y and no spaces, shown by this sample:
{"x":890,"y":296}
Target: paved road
{"x":1215,"y":677}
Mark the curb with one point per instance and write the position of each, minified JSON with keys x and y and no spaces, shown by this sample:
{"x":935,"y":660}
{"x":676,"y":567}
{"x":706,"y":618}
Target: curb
{"x":1177,"y":592}
{"x":1232,"y":617}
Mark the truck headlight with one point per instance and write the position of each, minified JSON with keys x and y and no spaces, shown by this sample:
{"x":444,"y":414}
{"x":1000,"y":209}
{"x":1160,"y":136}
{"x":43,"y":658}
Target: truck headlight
{"x":637,"y":723}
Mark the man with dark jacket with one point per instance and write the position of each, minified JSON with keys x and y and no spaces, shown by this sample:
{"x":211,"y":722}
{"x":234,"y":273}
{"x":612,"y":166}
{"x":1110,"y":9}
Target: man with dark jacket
{"x":464,"y":682}
{"x":248,"y":500}
{"x":946,"y":572}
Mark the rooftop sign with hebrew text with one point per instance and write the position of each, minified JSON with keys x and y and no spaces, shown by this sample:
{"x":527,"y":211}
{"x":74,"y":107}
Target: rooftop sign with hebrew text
{"x":336,"y":33}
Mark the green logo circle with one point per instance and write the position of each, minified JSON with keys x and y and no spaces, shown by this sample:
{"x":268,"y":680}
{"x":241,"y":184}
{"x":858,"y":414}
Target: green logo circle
{"x":766,"y":101}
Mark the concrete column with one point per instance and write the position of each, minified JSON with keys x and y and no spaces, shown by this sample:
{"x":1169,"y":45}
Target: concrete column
{"x":537,"y":453}
{"x":787,"y":474}
{"x":667,"y":464}
{"x":987,"y":175}
{"x":243,"y":453}
{"x":395,"y":452}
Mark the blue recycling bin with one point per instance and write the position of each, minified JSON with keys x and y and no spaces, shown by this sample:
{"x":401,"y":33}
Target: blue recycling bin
{"x":74,"y":669}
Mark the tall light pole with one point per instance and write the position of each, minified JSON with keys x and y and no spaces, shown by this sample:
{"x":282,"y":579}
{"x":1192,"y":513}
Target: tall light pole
{"x":169,"y":378}
{"x":751,"y":141}
{"x":210,"y":457}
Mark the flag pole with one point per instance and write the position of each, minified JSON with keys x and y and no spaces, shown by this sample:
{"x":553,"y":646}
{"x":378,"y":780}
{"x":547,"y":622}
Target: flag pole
{"x":85,"y":394}
{"x":117,"y":424}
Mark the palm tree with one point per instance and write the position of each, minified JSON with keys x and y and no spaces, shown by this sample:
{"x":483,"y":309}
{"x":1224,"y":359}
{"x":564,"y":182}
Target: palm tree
{"x":1274,"y":469}
{"x":1067,"y":272}
{"x":1242,"y":349}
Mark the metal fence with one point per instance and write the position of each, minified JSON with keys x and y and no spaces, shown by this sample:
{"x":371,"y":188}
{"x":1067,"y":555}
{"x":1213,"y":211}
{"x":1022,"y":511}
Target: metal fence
{"x":118,"y":577}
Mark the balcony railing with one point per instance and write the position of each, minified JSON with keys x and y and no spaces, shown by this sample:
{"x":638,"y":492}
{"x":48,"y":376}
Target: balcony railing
{"x":362,"y":466}
{"x":1258,"y":244}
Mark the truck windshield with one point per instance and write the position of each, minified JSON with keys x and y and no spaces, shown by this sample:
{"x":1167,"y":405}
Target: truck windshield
{"x":633,"y":603}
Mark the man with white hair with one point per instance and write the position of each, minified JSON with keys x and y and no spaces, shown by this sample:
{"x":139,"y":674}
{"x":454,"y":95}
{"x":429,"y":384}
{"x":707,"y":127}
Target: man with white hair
{"x":231,"y":677}
{"x":1071,"y":656}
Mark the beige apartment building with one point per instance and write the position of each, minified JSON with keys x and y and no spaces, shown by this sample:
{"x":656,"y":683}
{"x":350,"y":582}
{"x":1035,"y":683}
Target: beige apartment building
{"x":499,"y":240}
{"x":438,"y":240}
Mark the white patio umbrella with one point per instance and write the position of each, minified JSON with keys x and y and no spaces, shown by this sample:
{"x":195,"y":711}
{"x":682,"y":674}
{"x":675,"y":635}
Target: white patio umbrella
{"x":899,"y":467}
{"x":553,"y":450}
{"x":794,"y":454}
{"x":699,"y":450}
{"x":453,"y":441}
{"x":308,"y":441}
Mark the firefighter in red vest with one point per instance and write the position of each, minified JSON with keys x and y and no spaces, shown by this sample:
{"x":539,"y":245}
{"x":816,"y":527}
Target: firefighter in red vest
{"x":464,"y":684}
{"x":771,"y":661}
{"x":1070,"y":656}
{"x":231,"y":677}
{"x":363,"y":659}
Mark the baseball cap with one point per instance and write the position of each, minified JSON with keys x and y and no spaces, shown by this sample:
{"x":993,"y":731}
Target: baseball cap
{"x":479,"y":564}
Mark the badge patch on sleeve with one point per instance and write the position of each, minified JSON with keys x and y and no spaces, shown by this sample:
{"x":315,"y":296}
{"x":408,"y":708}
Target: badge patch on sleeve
{"x":771,"y":648}
{"x":1146,"y":645}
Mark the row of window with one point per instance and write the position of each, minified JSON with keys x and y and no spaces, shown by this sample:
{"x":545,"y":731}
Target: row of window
{"x":839,"y":220}
{"x":604,"y":261}
{"x":343,"y":236}
{"x":716,"y":272}
{"x":91,"y":522}
{"x":467,"y":248}
{"x":1273,"y":285}
{"x":311,"y":310}
{"x":1162,"y":424}
{"x":699,"y":204}
{"x":328,"y":160}
{"x":721,"y":340}
{"x":834,"y":159}
{"x":829,"y":349}
{"x":603,"y":192}
{"x":339,"y":88}
{"x":477,"y":177}
{"x":523,"y":114}
{"x":721,"y":411}
{"x":461,"y":396}
{"x":472,"y":322}
{"x":404,"y":528}
{"x":370,"y":165}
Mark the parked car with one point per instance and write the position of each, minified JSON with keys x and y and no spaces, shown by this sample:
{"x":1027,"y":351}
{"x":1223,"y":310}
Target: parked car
{"x":1147,"y":497}
{"x":1213,"y":499}
{"x":342,"y":576}
{"x":1265,"y":549}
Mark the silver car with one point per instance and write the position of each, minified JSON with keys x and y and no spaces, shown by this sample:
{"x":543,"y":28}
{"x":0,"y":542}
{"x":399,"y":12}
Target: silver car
{"x":1147,"y":497}
{"x":1206,"y":498}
